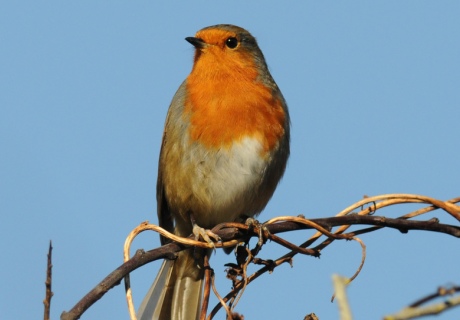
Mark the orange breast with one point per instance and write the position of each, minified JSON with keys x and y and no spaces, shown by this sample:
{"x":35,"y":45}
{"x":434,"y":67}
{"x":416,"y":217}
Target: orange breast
{"x":227,"y":105}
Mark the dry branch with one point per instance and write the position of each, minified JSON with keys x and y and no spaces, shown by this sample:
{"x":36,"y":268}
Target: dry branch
{"x":233,"y":233}
{"x":417,"y":309}
{"x":49,"y":293}
{"x":340,"y":284}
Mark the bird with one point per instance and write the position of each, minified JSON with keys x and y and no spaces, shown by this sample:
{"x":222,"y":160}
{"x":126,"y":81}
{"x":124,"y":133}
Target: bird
{"x":224,"y":150}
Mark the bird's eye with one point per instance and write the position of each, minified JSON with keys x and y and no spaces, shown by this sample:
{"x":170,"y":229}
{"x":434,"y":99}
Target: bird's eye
{"x":231,"y":42}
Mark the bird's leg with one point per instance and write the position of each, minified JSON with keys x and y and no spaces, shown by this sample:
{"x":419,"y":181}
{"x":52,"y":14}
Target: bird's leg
{"x":261,"y":230}
{"x":205,"y":234}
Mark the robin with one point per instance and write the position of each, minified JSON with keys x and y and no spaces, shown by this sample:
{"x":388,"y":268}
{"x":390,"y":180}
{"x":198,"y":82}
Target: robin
{"x":224,"y":150}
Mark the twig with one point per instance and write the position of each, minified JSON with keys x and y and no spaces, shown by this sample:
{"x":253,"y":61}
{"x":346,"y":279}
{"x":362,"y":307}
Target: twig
{"x":49,"y":293}
{"x":340,"y":283}
{"x":208,"y":274}
{"x":363,"y":259}
{"x":416,"y":309}
{"x":379,"y":202}
{"x":222,"y":302}
{"x":113,"y":279}
{"x":441,"y":292}
{"x":293,"y":247}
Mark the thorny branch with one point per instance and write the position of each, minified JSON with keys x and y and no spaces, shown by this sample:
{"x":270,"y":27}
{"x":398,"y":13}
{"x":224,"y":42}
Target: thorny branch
{"x":235,"y":233}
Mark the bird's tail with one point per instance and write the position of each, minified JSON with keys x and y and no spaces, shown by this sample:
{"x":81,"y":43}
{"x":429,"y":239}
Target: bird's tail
{"x":176,"y":291}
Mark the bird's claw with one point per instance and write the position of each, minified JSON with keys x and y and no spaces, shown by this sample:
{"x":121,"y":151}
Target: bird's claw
{"x":205,"y":234}
{"x":262,"y":231}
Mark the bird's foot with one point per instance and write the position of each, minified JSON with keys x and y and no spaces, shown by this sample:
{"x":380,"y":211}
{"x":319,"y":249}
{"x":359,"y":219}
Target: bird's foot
{"x":205,"y":234}
{"x":261,"y":230}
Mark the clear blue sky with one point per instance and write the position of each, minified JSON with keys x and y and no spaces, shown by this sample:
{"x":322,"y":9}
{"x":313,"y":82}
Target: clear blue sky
{"x":374,"y":95}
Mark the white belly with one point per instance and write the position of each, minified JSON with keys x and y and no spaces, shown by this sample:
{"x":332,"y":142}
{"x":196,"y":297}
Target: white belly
{"x":222,"y":185}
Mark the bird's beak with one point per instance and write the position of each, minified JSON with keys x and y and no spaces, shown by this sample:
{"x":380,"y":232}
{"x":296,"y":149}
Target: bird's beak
{"x":196,"y":42}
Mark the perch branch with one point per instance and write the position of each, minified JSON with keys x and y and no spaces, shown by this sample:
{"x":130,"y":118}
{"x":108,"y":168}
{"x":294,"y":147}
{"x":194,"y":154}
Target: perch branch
{"x":234,"y":233}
